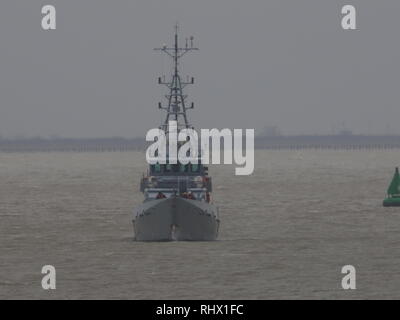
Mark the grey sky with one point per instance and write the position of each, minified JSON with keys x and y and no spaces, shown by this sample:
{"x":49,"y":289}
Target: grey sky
{"x":261,"y":62}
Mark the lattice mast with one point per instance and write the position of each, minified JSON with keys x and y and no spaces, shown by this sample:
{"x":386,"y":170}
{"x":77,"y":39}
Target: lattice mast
{"x":176,"y":108}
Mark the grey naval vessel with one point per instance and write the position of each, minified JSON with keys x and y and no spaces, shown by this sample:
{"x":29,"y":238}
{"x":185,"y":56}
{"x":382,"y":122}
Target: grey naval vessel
{"x":177,"y":204}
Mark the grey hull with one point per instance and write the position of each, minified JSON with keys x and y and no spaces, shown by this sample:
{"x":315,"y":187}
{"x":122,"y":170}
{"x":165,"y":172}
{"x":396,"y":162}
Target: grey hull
{"x":176,"y":219}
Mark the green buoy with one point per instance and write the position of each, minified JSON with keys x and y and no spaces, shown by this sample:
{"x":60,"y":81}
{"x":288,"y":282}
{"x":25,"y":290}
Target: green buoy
{"x":393,"y":192}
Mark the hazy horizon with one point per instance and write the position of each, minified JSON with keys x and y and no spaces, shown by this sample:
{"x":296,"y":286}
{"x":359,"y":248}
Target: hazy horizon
{"x":281,"y":63}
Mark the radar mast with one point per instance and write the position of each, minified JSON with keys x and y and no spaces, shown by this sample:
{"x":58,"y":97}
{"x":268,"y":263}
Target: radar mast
{"x":176,"y":106}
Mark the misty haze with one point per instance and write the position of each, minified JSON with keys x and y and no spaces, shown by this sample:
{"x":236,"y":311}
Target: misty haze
{"x":261,"y":63}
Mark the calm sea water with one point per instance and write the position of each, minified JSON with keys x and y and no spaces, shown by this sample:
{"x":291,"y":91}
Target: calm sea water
{"x":286,"y":231}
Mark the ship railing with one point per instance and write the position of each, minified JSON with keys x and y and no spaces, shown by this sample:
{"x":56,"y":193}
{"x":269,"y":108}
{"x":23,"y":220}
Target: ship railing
{"x":199,"y":193}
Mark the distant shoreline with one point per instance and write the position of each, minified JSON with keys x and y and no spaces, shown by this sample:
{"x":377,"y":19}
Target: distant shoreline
{"x":347,"y":142}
